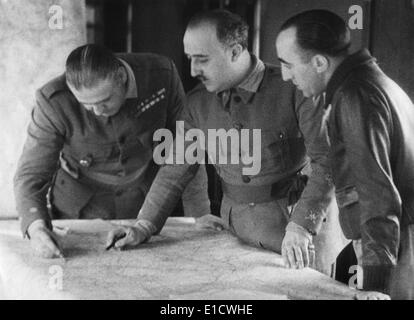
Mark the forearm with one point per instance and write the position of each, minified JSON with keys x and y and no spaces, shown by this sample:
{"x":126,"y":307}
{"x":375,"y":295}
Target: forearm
{"x":317,"y":196}
{"x":165,"y":192}
{"x":195,"y":198}
{"x":380,"y":246}
{"x":38,"y":163}
{"x":31,"y":201}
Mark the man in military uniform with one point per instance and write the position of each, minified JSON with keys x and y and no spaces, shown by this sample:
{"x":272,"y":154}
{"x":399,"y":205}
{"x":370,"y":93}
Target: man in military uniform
{"x":267,"y":210}
{"x":370,"y":123}
{"x":90,"y":139}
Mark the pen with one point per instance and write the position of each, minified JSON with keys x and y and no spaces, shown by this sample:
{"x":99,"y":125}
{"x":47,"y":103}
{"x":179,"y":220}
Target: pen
{"x":60,"y":255}
{"x":115,"y":239}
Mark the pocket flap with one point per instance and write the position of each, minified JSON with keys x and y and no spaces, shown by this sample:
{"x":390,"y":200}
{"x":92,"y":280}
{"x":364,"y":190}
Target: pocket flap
{"x":70,"y":196}
{"x":347,"y":196}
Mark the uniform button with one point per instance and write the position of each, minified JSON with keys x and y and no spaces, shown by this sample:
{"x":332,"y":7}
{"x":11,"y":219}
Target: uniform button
{"x":246,"y":179}
{"x":237,"y":126}
{"x":281,"y":135}
{"x":121,"y":174}
{"x":86,"y":162}
{"x":124,"y":160}
{"x":251,"y":204}
{"x":116,"y":153}
{"x":237,"y":99}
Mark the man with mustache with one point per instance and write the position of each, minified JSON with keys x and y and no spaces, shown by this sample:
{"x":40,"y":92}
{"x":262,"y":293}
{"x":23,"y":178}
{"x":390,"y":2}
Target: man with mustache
{"x":279,"y":209}
{"x":370,"y":121}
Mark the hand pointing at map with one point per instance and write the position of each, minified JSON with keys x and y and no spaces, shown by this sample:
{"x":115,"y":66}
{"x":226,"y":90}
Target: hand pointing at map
{"x":129,"y":236}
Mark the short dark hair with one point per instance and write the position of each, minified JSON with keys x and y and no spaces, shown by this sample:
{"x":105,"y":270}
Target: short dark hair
{"x":231,"y":28}
{"x":88,"y":64}
{"x":320,"y":31}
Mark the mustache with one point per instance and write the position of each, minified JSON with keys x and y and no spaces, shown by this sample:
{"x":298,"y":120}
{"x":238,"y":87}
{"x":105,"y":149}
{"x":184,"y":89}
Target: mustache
{"x":201,"y":78}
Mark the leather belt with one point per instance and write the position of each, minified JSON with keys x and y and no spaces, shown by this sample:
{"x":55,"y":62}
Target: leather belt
{"x":260,"y":194}
{"x":113,"y":180}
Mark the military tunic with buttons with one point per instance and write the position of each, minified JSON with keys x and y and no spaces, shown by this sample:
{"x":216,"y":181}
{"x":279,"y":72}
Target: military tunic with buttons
{"x":98,"y":167}
{"x":257,"y":208}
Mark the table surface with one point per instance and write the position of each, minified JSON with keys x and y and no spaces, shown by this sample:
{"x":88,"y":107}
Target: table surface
{"x":179,"y":263}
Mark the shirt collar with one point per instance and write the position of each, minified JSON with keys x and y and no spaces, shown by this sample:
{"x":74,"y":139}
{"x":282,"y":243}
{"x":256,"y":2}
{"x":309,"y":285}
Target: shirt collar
{"x":319,"y":100}
{"x":250,"y":85}
{"x":132,"y":91}
{"x":353,"y":61}
{"x":252,"y":82}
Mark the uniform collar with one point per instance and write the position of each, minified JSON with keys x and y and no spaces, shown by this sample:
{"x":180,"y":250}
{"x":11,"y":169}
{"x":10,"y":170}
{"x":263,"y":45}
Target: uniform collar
{"x":132,"y":91}
{"x":353,"y":61}
{"x":250,"y":85}
{"x":252,"y":82}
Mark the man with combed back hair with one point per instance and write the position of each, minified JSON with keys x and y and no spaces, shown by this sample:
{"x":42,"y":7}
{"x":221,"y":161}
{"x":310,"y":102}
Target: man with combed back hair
{"x":370,"y":121}
{"x":89,"y":148}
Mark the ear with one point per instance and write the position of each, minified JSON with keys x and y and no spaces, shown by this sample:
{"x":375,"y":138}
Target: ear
{"x":236,"y":51}
{"x":122,"y":75}
{"x":320,"y":63}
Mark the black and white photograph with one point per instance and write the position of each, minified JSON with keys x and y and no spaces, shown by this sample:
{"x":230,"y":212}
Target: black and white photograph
{"x":207,"y":155}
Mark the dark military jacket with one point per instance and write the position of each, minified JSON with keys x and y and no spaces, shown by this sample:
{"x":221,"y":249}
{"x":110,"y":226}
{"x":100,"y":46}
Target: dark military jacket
{"x":98,"y":167}
{"x":371,"y":128}
{"x":291,"y":138}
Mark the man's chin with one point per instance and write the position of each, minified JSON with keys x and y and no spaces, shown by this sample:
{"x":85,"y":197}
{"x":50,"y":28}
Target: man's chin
{"x":108,"y":114}
{"x":306,"y":94}
{"x":210,"y":87}
{"x":105,"y":115}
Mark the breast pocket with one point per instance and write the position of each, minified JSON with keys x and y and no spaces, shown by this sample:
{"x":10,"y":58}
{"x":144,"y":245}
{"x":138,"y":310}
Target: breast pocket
{"x":276,"y":150}
{"x":69,"y":196}
{"x":92,"y":155}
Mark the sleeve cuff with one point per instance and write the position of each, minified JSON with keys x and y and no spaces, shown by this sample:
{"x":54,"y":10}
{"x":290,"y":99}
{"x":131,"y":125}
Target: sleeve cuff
{"x":147,"y":227}
{"x":377,"y":278}
{"x":45,"y":223}
{"x":311,"y":221}
{"x":294,"y":227}
{"x":196,"y":210}
{"x":26,"y":221}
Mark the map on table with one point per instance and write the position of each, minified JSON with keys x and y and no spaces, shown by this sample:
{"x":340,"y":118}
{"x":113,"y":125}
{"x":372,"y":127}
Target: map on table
{"x":182,"y":262}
